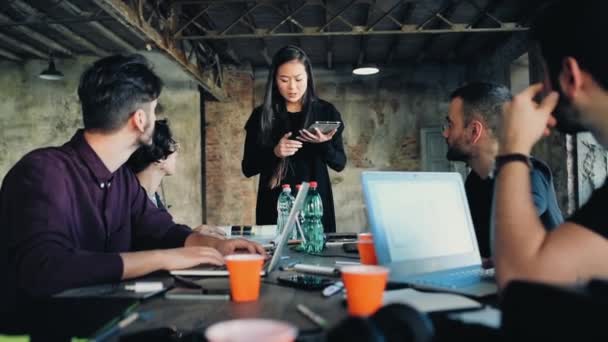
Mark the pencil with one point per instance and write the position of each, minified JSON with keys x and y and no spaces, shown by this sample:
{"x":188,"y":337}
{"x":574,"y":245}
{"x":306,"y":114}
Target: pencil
{"x":315,"y":318}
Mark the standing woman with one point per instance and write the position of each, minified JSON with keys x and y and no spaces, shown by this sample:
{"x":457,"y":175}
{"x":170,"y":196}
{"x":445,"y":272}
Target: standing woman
{"x":278,"y":145}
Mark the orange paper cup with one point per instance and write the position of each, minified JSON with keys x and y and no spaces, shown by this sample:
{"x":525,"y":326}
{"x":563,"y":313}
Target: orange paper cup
{"x":244,"y":274}
{"x":364,"y":288}
{"x":365,"y":237}
{"x":245,"y":330}
{"x":367,"y":252}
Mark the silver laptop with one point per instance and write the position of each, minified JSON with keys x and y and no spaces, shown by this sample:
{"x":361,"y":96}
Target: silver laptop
{"x":280,"y":244}
{"x":423,"y":231}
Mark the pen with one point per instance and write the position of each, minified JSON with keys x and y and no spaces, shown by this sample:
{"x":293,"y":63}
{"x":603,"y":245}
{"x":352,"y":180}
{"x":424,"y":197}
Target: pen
{"x":315,"y":318}
{"x":346,"y":263}
{"x":116,"y":325}
{"x":288,"y":265}
{"x":151,"y":286}
{"x":116,"y":328}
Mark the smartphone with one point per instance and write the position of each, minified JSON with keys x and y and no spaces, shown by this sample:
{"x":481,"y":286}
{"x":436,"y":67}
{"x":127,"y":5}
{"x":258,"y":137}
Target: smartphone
{"x":305,"y":281}
{"x":198,"y":294}
{"x":341,"y":237}
{"x":324,"y":126}
{"x":350,"y":247}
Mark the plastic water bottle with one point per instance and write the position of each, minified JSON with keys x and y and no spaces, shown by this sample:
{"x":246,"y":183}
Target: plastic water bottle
{"x":295,"y":234}
{"x":284,"y":204}
{"x":313,"y":226}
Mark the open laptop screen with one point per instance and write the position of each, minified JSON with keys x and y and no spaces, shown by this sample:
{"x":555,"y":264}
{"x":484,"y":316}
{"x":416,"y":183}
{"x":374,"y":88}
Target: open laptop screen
{"x":419,"y":216}
{"x":422,"y":219}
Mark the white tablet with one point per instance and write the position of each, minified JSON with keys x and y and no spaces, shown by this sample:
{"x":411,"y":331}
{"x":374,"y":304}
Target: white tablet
{"x":324,"y":126}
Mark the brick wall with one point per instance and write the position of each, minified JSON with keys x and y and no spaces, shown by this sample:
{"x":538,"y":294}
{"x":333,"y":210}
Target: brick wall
{"x":230,"y":196}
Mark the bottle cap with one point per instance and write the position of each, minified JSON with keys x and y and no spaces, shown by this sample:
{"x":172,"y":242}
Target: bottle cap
{"x":313,"y":184}
{"x":298,"y":186}
{"x":286,"y":186}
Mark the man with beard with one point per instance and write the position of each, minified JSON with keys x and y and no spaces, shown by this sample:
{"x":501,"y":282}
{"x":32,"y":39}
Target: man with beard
{"x":576,"y":250}
{"x":74,"y":216}
{"x":470,"y":134}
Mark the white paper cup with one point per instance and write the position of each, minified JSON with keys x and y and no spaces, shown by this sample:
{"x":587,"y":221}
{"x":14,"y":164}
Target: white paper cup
{"x":245,"y":330}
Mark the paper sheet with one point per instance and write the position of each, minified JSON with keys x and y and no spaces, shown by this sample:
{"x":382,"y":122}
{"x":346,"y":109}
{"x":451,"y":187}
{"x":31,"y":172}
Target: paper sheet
{"x":429,"y":301}
{"x":487,"y":316}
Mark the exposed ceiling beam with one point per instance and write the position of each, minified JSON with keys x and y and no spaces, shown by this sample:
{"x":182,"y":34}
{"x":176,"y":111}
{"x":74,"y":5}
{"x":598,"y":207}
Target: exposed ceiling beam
{"x":203,"y":15}
{"x":358,"y":31}
{"x":529,"y":11}
{"x":190,"y":21}
{"x":388,"y":14}
{"x":5,"y":5}
{"x":266,"y":56}
{"x":239,"y":19}
{"x":443,"y":14}
{"x":499,"y":52}
{"x":289,"y":17}
{"x":207,"y":21}
{"x":364,"y":39}
{"x":23,"y":46}
{"x":338,"y":16}
{"x":30,"y":22}
{"x":102,"y":30}
{"x":482,"y":14}
{"x":288,"y":9}
{"x":48,"y":43}
{"x":71,"y":35}
{"x":9,"y":55}
{"x":406,"y":12}
{"x":216,"y":2}
{"x":250,"y":21}
{"x":328,"y":44}
{"x":130,"y":18}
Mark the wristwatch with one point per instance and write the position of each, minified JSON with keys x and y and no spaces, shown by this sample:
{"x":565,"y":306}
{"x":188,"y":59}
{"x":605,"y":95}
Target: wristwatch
{"x":501,"y":160}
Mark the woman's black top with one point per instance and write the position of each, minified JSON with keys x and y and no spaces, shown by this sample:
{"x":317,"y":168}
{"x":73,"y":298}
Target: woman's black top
{"x":308,"y":164}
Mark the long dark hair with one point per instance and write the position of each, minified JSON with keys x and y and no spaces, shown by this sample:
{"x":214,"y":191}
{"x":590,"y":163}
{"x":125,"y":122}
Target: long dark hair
{"x":273,"y":101}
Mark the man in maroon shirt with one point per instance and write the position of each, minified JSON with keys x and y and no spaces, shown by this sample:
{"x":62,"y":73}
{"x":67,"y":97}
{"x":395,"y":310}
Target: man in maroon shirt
{"x":73,"y":215}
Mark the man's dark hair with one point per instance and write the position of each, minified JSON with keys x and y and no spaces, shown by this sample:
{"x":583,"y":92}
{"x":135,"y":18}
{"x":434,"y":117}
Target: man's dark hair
{"x":568,"y":28}
{"x":113,"y":88}
{"x":162,"y":146}
{"x":482,"y":100}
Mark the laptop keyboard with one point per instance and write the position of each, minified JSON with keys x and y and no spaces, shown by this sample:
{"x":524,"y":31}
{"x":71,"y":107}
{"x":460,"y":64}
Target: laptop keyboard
{"x":457,"y":279}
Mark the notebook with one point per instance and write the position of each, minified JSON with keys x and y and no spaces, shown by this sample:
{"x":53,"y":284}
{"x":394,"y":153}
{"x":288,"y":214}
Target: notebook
{"x":280,"y":244}
{"x":424,"y":233}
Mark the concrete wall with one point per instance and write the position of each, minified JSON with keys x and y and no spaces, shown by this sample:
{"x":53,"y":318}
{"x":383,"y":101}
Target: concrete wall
{"x":383,"y":115}
{"x":36,"y":113}
{"x":181,"y":98}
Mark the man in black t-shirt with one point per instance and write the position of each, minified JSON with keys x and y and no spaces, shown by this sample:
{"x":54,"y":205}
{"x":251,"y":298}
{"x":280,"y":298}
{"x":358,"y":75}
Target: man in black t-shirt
{"x":576,"y":70}
{"x":470,"y":135}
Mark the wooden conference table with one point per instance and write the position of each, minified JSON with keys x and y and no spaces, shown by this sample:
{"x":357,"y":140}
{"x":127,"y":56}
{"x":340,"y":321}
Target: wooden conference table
{"x":276,"y":302}
{"x":86,"y":317}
